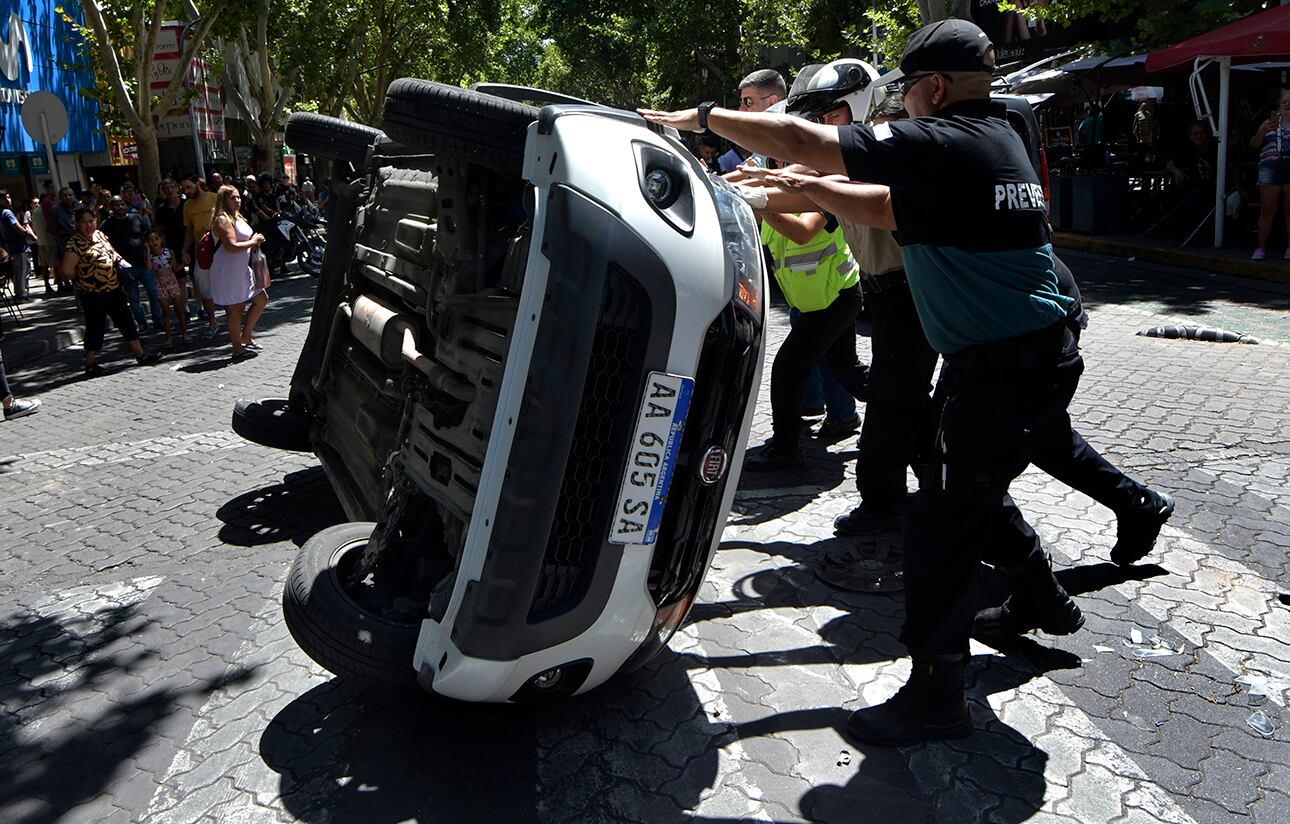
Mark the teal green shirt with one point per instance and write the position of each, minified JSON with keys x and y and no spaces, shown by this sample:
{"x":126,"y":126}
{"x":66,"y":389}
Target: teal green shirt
{"x":970,"y":298}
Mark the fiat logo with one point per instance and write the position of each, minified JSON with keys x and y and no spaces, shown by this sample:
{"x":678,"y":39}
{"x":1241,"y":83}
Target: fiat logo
{"x":713,"y":465}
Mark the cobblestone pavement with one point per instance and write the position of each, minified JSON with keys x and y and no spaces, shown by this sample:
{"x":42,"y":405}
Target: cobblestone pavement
{"x":146,"y":674}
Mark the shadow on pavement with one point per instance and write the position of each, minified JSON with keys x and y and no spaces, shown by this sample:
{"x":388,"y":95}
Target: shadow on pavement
{"x":1106,"y":280}
{"x":648,"y":745}
{"x":824,"y":470}
{"x":346,"y":752}
{"x":293,"y":510}
{"x":640,"y":748}
{"x":65,"y":663}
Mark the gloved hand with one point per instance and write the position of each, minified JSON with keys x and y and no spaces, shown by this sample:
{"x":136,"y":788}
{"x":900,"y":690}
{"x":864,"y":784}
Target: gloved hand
{"x":755,"y":196}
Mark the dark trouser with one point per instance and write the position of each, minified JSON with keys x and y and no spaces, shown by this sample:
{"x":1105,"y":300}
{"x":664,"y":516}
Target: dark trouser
{"x":4,"y":382}
{"x":823,"y":390}
{"x":98,"y":306}
{"x":829,"y":334}
{"x":895,"y":420}
{"x":1062,"y":452}
{"x":993,"y":400}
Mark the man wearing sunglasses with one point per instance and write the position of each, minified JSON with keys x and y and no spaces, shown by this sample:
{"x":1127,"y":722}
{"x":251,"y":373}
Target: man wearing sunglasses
{"x":975,"y":241}
{"x":760,"y":90}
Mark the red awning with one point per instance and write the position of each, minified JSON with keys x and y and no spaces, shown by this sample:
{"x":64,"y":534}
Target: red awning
{"x":1255,"y":39}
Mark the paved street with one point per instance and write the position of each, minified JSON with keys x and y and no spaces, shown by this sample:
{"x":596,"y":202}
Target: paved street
{"x":146,"y":674}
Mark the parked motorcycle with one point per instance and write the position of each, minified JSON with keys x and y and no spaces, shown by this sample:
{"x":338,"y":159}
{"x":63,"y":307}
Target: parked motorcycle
{"x":298,"y":238}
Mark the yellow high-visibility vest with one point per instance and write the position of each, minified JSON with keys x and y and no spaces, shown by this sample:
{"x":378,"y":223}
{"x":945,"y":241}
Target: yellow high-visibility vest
{"x":811,"y":274}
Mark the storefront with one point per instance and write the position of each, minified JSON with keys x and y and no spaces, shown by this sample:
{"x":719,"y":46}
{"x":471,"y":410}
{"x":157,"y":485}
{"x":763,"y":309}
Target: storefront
{"x":38,"y":48}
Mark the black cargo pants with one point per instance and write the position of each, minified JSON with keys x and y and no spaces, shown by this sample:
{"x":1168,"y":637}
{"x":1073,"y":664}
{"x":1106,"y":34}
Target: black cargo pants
{"x":900,"y":382}
{"x":995,"y":403}
{"x":828,"y":334}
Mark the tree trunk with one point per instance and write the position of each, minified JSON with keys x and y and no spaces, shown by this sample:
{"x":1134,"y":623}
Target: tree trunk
{"x":149,"y":162}
{"x":264,"y":150}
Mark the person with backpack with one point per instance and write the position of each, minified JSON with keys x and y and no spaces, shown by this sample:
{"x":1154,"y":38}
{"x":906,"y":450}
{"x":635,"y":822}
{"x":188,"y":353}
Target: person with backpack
{"x":199,"y":210}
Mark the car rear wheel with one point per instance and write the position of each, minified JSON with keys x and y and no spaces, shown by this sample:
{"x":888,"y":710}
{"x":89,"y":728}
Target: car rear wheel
{"x":448,"y":120}
{"x":345,"y":625}
{"x":330,"y":138}
{"x":271,"y":422}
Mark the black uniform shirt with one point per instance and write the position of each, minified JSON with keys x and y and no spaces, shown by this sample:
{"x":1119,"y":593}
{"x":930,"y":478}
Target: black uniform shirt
{"x":970,"y":221}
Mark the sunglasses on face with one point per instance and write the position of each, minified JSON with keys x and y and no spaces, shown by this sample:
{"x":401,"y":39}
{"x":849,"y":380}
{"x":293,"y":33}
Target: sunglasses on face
{"x":749,"y":102}
{"x":907,"y":83}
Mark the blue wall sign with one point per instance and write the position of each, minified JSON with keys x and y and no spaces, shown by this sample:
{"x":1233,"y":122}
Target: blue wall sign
{"x":40,"y":51}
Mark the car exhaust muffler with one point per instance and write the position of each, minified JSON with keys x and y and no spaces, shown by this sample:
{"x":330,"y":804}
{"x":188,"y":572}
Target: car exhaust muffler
{"x":392,"y":338}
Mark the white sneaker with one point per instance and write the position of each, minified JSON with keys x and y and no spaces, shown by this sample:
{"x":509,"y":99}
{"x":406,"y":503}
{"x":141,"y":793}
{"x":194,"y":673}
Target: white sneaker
{"x":18,"y":409}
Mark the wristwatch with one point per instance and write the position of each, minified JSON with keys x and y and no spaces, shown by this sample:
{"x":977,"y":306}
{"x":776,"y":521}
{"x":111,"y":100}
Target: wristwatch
{"x":705,"y":107}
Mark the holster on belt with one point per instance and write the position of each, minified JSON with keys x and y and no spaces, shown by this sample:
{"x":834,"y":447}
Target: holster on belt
{"x":873,"y":284}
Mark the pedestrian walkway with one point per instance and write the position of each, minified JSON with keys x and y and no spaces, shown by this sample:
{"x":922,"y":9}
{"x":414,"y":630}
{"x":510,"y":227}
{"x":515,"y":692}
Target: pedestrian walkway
{"x":147,"y":675}
{"x":45,"y":324}
{"x":1198,"y":256}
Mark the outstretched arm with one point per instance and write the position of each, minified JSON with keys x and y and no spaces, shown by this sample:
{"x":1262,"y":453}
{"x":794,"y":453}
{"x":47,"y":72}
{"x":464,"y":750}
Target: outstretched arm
{"x":865,"y":203}
{"x":797,"y":228}
{"x":783,"y":137}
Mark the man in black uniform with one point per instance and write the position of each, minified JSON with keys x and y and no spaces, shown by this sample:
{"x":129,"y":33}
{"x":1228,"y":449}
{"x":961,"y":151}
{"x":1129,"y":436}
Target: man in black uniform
{"x":974,"y":237}
{"x":903,"y":363}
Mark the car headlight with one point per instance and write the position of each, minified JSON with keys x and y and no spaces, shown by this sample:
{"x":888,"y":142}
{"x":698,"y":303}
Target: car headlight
{"x":659,"y":187}
{"x":743,"y":244}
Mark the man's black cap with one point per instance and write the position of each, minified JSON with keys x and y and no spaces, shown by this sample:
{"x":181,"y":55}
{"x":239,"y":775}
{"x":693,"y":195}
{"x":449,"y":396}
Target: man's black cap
{"x":951,"y":45}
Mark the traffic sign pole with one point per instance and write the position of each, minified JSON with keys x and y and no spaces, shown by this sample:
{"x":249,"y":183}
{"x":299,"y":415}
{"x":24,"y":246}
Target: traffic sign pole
{"x":49,"y":153}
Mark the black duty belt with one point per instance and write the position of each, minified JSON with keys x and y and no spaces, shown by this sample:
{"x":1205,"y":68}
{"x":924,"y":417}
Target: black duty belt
{"x":1010,"y":359}
{"x":884,"y":282}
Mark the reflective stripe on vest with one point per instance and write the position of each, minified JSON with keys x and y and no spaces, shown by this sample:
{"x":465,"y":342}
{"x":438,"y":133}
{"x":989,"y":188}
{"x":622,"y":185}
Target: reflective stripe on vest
{"x":813,"y":273}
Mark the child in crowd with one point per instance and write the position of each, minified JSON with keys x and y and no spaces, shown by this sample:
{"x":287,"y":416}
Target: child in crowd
{"x":161,"y":264}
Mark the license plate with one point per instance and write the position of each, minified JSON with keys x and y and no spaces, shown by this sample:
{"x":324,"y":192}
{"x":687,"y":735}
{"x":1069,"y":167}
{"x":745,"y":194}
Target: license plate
{"x":651,"y":458}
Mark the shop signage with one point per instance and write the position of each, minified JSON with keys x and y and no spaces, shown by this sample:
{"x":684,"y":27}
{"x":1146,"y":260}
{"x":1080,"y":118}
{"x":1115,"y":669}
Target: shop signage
{"x":41,"y":50}
{"x":36,"y":165}
{"x":1022,"y":36}
{"x":204,"y":111}
{"x":122,"y":151}
{"x":16,"y":45}
{"x":11,"y":166}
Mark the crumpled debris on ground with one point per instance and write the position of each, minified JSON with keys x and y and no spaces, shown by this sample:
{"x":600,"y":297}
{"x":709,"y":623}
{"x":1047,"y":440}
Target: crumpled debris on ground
{"x":1260,"y":723}
{"x":1153,"y":647}
{"x":1270,"y":685}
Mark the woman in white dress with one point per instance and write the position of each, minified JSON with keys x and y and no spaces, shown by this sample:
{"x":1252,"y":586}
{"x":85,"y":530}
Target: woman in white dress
{"x":232,"y":283}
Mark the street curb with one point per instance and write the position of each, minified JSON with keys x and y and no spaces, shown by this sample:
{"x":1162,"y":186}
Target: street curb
{"x":1273,"y":270}
{"x":20,"y":350}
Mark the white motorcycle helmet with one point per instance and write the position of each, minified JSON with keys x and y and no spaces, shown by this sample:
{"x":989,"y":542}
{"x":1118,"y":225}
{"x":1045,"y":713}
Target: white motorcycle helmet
{"x":844,"y":81}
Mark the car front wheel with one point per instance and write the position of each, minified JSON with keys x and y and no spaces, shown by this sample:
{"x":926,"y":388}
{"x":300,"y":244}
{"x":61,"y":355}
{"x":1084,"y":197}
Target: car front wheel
{"x":353,"y":628}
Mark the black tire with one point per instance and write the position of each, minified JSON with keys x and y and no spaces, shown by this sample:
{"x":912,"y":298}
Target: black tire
{"x":330,"y":138}
{"x":269,"y":422}
{"x":447,"y":120}
{"x":331,"y":627}
{"x":311,"y":254}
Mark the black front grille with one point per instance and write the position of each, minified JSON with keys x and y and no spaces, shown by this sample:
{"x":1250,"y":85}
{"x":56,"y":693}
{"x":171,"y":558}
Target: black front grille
{"x":604,"y":424}
{"x":722,"y":390}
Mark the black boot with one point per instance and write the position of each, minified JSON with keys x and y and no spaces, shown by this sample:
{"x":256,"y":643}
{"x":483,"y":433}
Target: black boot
{"x":773,"y":457}
{"x":868,"y":519}
{"x":1137,"y":529}
{"x":1038,"y":601}
{"x":930,"y":706}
